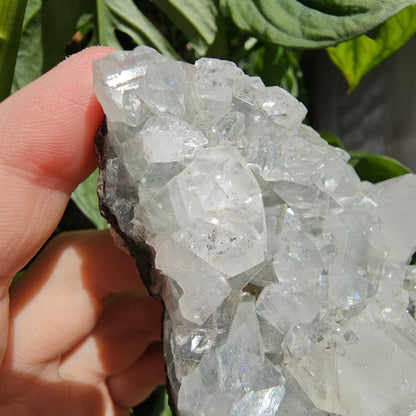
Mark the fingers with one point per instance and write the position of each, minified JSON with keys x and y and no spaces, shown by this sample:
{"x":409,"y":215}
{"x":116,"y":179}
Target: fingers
{"x":46,"y":149}
{"x":58,"y":302}
{"x":134,"y":384}
{"x":129,"y":323}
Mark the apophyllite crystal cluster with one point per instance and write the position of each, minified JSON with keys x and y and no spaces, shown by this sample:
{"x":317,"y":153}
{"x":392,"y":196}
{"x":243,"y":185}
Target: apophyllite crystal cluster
{"x":284,"y":278}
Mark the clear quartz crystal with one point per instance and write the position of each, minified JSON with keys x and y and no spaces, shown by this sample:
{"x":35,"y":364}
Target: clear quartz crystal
{"x":286,"y":285}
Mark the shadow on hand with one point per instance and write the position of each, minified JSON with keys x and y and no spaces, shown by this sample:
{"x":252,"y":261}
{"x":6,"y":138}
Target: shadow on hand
{"x":49,"y":398}
{"x":104,"y":272}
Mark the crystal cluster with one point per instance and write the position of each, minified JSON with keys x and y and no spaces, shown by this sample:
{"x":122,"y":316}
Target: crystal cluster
{"x":285,"y":279}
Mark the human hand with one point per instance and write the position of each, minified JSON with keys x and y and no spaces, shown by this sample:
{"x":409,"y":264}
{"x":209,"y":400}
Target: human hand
{"x":79,"y":334}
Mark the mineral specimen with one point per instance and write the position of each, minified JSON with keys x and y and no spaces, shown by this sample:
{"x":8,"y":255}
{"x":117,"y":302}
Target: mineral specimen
{"x":285,"y":280}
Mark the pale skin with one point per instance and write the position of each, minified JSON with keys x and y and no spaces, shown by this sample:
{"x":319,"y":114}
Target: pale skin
{"x":79,"y":335}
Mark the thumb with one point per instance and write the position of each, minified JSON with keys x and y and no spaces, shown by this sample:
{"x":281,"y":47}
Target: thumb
{"x":46,"y":148}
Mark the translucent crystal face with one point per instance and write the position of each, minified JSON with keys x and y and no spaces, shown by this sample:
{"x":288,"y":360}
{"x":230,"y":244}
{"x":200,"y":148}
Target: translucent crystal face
{"x":284,"y":278}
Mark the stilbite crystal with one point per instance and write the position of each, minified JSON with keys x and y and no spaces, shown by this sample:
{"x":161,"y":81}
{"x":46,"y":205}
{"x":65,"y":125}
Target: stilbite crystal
{"x":284,"y":278}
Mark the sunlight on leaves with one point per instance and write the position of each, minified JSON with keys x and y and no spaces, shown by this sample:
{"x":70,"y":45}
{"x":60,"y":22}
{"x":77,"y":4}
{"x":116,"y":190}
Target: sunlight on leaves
{"x":358,"y":56}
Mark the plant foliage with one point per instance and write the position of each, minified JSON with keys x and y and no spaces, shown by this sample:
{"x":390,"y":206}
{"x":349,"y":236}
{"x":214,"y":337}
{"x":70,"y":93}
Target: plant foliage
{"x":49,"y":26}
{"x":201,"y":24}
{"x":85,"y":197}
{"x":375,"y":168}
{"x":11,"y":20}
{"x":358,"y":56}
{"x":311,"y":23}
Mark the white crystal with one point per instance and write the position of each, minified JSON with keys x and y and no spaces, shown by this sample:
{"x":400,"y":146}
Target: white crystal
{"x":369,"y":370}
{"x":202,"y":391}
{"x":397,"y":217}
{"x":284,"y":308}
{"x":259,"y":403}
{"x":214,"y":209}
{"x":214,"y":92}
{"x":282,"y":107}
{"x":236,"y":377}
{"x":296,"y":402}
{"x":225,"y":240}
{"x":199,"y":300}
{"x":118,"y":92}
{"x":286,"y":285}
{"x":169,"y":139}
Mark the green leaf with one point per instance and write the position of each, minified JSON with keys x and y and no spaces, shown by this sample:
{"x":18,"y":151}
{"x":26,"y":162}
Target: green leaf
{"x":155,"y":405}
{"x":29,"y":62}
{"x":123,"y":15}
{"x":311,"y":23}
{"x":332,"y":139}
{"x":47,"y":29}
{"x":59,"y":23}
{"x":16,"y":277}
{"x":197,"y":20}
{"x":276,"y":66}
{"x":358,"y":56}
{"x":60,"y":20}
{"x":85,"y":196}
{"x":375,"y":168}
{"x":49,"y":25}
{"x":11,"y":20}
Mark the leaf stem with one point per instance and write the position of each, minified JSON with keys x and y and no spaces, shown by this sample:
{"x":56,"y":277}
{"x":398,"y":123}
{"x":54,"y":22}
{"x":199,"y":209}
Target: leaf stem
{"x":11,"y":21}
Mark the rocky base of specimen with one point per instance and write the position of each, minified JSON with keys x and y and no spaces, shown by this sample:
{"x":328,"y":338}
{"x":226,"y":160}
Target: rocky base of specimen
{"x":284,"y":278}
